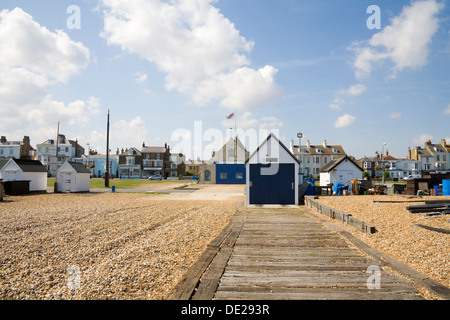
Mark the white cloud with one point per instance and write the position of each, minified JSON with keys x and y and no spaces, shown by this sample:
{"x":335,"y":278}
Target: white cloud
{"x":421,"y":139}
{"x":202,"y":53}
{"x":404,"y":42}
{"x":354,"y":90}
{"x":123,"y":134}
{"x":344,"y":121}
{"x":447,"y":110}
{"x":246,"y":120}
{"x":395,"y":115}
{"x":32,"y":59}
{"x":141,"y":77}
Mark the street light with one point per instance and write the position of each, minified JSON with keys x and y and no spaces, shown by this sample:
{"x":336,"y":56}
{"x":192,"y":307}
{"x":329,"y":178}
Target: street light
{"x":300,"y":136}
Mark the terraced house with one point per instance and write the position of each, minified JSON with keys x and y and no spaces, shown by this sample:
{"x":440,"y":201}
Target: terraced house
{"x":130,"y":162}
{"x":314,"y":157}
{"x":434,"y":157}
{"x":153,"y":159}
{"x":53,"y":153}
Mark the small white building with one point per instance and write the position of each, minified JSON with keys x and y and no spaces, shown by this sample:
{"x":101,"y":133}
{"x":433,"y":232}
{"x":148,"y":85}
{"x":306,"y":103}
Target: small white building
{"x":342,"y":170}
{"x":73,"y":177}
{"x":272,"y":174}
{"x":26,"y":170}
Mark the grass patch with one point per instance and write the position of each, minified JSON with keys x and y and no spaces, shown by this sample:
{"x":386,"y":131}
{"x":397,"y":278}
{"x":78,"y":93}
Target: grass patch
{"x":119,"y":183}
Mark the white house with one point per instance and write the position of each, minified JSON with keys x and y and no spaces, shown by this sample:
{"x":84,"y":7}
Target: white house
{"x":272,"y":174}
{"x":403,"y":168}
{"x":26,"y":170}
{"x":65,"y":149}
{"x":73,"y":177}
{"x":342,"y":170}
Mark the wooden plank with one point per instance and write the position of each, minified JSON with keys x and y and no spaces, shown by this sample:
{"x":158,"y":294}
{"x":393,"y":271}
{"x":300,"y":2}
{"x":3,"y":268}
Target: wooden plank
{"x":332,"y":294}
{"x":445,"y":231}
{"x":211,"y":278}
{"x":187,"y":285}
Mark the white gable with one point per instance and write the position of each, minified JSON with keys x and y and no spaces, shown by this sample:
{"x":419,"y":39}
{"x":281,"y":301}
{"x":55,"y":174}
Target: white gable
{"x":271,"y":151}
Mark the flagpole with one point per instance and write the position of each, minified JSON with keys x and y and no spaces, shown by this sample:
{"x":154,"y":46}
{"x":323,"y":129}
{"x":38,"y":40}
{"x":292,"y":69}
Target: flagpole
{"x":235,"y":123}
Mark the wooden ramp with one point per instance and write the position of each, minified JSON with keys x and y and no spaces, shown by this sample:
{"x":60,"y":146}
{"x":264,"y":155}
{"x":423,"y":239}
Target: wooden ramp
{"x":287,"y":253}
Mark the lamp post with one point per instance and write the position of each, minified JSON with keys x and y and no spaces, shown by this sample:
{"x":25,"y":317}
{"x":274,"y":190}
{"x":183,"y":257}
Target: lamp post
{"x":300,"y":136}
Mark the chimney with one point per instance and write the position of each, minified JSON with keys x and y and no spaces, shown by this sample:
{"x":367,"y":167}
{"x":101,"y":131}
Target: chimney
{"x":325,"y":144}
{"x":3,"y":139}
{"x":143,"y":144}
{"x":291,"y":146}
{"x":308,"y":144}
{"x":409,"y":153}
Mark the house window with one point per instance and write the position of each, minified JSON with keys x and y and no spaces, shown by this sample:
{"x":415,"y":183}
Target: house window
{"x":325,"y":160}
{"x":239,"y":176}
{"x":130,"y":161}
{"x":335,"y":150}
{"x":437,"y":157}
{"x":319,"y":150}
{"x":367,"y":165}
{"x":444,"y":157}
{"x":223,"y":175}
{"x":317,"y":160}
{"x":158,"y":156}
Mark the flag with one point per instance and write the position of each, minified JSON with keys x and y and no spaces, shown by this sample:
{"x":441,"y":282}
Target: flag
{"x":231,"y":116}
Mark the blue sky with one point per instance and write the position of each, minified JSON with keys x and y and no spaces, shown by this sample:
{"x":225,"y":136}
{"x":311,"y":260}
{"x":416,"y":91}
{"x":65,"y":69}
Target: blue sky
{"x":290,"y":66}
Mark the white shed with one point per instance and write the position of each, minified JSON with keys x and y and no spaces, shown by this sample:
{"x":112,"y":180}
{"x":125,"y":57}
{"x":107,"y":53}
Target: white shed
{"x":73,"y":177}
{"x":272,"y":174}
{"x":26,"y":170}
{"x":341,"y":170}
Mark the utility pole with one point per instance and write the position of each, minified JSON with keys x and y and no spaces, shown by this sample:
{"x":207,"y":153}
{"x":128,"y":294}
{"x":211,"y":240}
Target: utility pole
{"x":107,"y":155}
{"x":55,"y":189}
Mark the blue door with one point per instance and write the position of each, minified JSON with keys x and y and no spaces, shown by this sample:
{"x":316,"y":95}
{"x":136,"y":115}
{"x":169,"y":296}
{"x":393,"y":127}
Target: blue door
{"x":272,"y":189}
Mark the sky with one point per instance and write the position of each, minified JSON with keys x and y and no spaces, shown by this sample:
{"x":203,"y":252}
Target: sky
{"x":355,"y":73}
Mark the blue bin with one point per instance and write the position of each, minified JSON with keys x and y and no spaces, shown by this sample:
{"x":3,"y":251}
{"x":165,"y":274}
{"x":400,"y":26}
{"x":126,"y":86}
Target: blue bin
{"x":436,"y":190}
{"x":446,"y":187}
{"x":113,"y":189}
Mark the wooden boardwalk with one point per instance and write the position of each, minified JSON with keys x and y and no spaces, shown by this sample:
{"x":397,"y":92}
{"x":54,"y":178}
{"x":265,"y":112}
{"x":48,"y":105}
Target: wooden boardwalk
{"x":288,"y":254}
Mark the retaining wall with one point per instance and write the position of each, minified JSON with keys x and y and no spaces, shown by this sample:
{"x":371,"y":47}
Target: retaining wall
{"x":347,"y":218}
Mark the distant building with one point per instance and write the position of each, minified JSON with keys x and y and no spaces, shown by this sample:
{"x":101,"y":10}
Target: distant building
{"x":226,"y":166}
{"x":314,"y":157}
{"x":153,"y":159}
{"x":52,"y":154}
{"x":130,"y":164}
{"x":97,"y":164}
{"x":433,"y":157}
{"x":16,"y":149}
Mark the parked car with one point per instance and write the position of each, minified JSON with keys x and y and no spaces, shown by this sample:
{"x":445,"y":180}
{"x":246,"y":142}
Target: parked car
{"x":412,"y":177}
{"x":156,"y":177}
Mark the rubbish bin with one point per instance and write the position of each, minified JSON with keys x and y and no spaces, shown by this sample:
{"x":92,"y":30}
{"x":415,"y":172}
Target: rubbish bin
{"x":436,"y":190}
{"x":446,"y":187}
{"x":113,"y":189}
